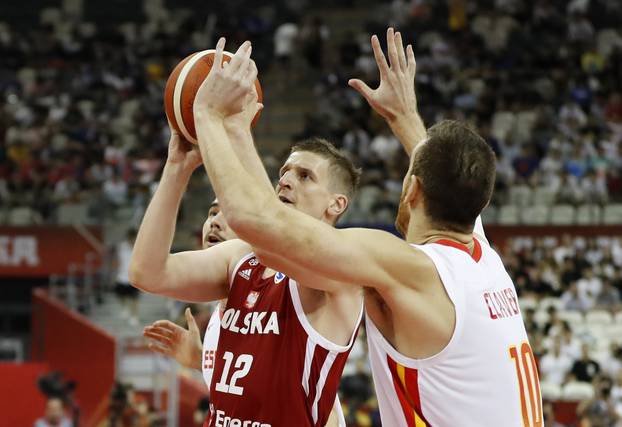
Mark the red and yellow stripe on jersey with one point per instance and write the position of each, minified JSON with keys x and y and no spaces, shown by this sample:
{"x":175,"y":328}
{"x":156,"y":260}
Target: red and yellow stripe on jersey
{"x":406,"y":383}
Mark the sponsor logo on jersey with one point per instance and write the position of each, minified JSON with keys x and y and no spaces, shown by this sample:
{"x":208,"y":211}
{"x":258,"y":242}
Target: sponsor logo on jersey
{"x":253,"y":262}
{"x":251,"y":299}
{"x":278,"y":277}
{"x":245,"y":273}
{"x":254,"y":322}
{"x":223,"y":420}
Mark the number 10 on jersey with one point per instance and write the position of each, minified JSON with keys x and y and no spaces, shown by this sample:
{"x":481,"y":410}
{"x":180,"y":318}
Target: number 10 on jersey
{"x":528,"y":384}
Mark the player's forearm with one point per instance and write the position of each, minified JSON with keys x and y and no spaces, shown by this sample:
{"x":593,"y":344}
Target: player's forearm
{"x":240,"y":198}
{"x":409,"y":130}
{"x":244,"y":147}
{"x":156,"y":232}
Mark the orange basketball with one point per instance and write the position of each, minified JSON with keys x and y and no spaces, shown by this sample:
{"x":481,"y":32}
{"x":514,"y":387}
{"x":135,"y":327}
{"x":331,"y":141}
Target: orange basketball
{"x":181,"y":89}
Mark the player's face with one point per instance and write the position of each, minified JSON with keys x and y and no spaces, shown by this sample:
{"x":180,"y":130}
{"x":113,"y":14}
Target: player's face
{"x":215,"y":228}
{"x":304,"y":183}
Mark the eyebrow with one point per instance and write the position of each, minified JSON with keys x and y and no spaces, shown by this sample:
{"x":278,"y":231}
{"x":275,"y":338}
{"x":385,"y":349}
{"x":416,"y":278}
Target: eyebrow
{"x":285,"y":168}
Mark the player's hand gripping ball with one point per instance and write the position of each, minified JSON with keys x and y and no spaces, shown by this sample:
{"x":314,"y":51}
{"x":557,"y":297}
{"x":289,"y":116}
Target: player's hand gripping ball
{"x":182,"y":86}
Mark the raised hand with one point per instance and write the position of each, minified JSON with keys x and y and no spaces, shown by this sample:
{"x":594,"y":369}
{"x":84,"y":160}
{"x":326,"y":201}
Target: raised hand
{"x":224,"y":91}
{"x":182,"y":153}
{"x":243,"y":119}
{"x":395,"y":97}
{"x":169,"y":339}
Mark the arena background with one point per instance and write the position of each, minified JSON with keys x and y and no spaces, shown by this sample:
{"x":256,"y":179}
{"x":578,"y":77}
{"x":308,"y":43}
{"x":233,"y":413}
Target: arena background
{"x":83,"y":139}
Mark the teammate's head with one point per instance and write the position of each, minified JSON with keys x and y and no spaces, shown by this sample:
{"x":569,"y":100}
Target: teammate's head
{"x":215,"y":228}
{"x":451,"y":177}
{"x":318,"y":179}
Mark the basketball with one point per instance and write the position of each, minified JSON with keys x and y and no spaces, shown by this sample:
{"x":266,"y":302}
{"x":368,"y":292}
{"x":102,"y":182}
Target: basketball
{"x":181,"y":88}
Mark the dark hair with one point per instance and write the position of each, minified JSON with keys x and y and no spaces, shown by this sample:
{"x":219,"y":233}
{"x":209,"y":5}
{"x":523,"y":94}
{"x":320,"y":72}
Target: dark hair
{"x":345,"y":175}
{"x":456,"y":168}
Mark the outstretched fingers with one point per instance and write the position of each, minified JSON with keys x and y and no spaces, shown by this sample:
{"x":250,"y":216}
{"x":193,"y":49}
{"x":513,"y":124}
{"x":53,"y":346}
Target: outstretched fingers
{"x":381,"y":61}
{"x":400,"y":52}
{"x":412,"y":63}
{"x":239,"y":62}
{"x":394,"y":61}
{"x":218,"y":55}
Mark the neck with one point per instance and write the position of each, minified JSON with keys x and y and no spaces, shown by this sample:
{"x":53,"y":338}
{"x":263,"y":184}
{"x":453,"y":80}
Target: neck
{"x":420,"y":232}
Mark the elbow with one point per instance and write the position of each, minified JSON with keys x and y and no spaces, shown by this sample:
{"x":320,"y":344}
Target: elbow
{"x":143,"y":278}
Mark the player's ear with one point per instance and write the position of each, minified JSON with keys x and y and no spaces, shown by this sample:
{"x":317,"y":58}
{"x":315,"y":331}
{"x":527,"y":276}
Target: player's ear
{"x":414,"y":190}
{"x":338,"y":205}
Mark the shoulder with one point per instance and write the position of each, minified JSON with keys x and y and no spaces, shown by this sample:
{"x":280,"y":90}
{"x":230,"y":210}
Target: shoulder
{"x":403,"y":264}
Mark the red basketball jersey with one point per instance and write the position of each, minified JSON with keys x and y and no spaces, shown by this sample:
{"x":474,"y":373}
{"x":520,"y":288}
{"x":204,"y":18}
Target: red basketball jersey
{"x":272,"y":368}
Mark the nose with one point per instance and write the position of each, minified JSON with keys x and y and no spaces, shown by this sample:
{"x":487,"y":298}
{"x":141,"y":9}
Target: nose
{"x":219,"y":223}
{"x":285,"y":181}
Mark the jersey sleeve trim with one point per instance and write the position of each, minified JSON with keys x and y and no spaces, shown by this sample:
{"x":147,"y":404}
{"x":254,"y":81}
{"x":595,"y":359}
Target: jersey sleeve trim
{"x":312,"y":333}
{"x":238,"y":265}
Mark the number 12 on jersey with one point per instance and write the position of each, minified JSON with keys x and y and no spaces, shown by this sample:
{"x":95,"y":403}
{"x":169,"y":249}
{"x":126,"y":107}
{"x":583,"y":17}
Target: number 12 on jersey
{"x":528,"y":383}
{"x":242,"y":366}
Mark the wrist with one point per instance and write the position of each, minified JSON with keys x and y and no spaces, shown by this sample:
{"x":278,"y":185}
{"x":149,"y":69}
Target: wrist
{"x":237,"y":128}
{"x":410,"y":120}
{"x":197,"y":360}
{"x":205,"y":114}
{"x":409,"y":130}
{"x":176,"y":171}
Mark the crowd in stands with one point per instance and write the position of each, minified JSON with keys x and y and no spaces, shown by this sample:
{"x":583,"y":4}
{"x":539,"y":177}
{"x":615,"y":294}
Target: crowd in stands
{"x":540,"y":80}
{"x":81,"y":122}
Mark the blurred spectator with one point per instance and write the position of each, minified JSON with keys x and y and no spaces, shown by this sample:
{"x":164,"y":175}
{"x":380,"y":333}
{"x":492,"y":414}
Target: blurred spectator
{"x":126,"y":410}
{"x":573,"y":300}
{"x":313,"y":35}
{"x":600,"y":410}
{"x":555,"y":365}
{"x":54,"y":415}
{"x":115,"y":190}
{"x":585,"y":369}
{"x":127,"y":294}
{"x":608,"y":298}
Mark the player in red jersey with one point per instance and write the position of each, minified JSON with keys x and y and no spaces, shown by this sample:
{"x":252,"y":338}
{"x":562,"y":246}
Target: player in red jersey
{"x":283,"y":342}
{"x":184,"y":345}
{"x":447,"y":343}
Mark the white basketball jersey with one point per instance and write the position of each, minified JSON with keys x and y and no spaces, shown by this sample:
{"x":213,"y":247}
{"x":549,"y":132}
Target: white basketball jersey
{"x":486,"y":376}
{"x":210,"y":343}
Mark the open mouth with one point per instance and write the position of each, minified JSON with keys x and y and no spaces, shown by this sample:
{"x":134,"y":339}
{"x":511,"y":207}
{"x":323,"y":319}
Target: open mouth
{"x":285,"y":200}
{"x":212,"y":238}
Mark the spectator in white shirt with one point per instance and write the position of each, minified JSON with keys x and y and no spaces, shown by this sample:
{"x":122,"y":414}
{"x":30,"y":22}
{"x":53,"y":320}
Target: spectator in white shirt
{"x":574,"y":300}
{"x":555,"y":365}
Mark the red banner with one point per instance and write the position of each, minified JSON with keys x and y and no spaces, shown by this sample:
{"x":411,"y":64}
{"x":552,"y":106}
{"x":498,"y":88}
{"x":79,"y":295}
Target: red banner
{"x":68,"y":342}
{"x":44,"y":250}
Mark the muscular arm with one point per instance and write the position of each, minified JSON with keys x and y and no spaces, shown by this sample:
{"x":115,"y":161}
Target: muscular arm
{"x":356,"y":256}
{"x":396,"y":99}
{"x":154,"y":269}
{"x":238,"y":130}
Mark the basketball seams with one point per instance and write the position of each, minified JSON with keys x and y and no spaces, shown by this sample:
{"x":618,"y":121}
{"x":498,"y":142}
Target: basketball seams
{"x":177,"y":94}
{"x":181,"y":89}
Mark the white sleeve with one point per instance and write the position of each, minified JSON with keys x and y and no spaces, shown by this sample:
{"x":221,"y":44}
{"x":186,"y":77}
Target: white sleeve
{"x":478,"y":230}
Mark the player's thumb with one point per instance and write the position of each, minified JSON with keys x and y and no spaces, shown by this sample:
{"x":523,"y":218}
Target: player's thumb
{"x":192,"y":324}
{"x":361,"y":88}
